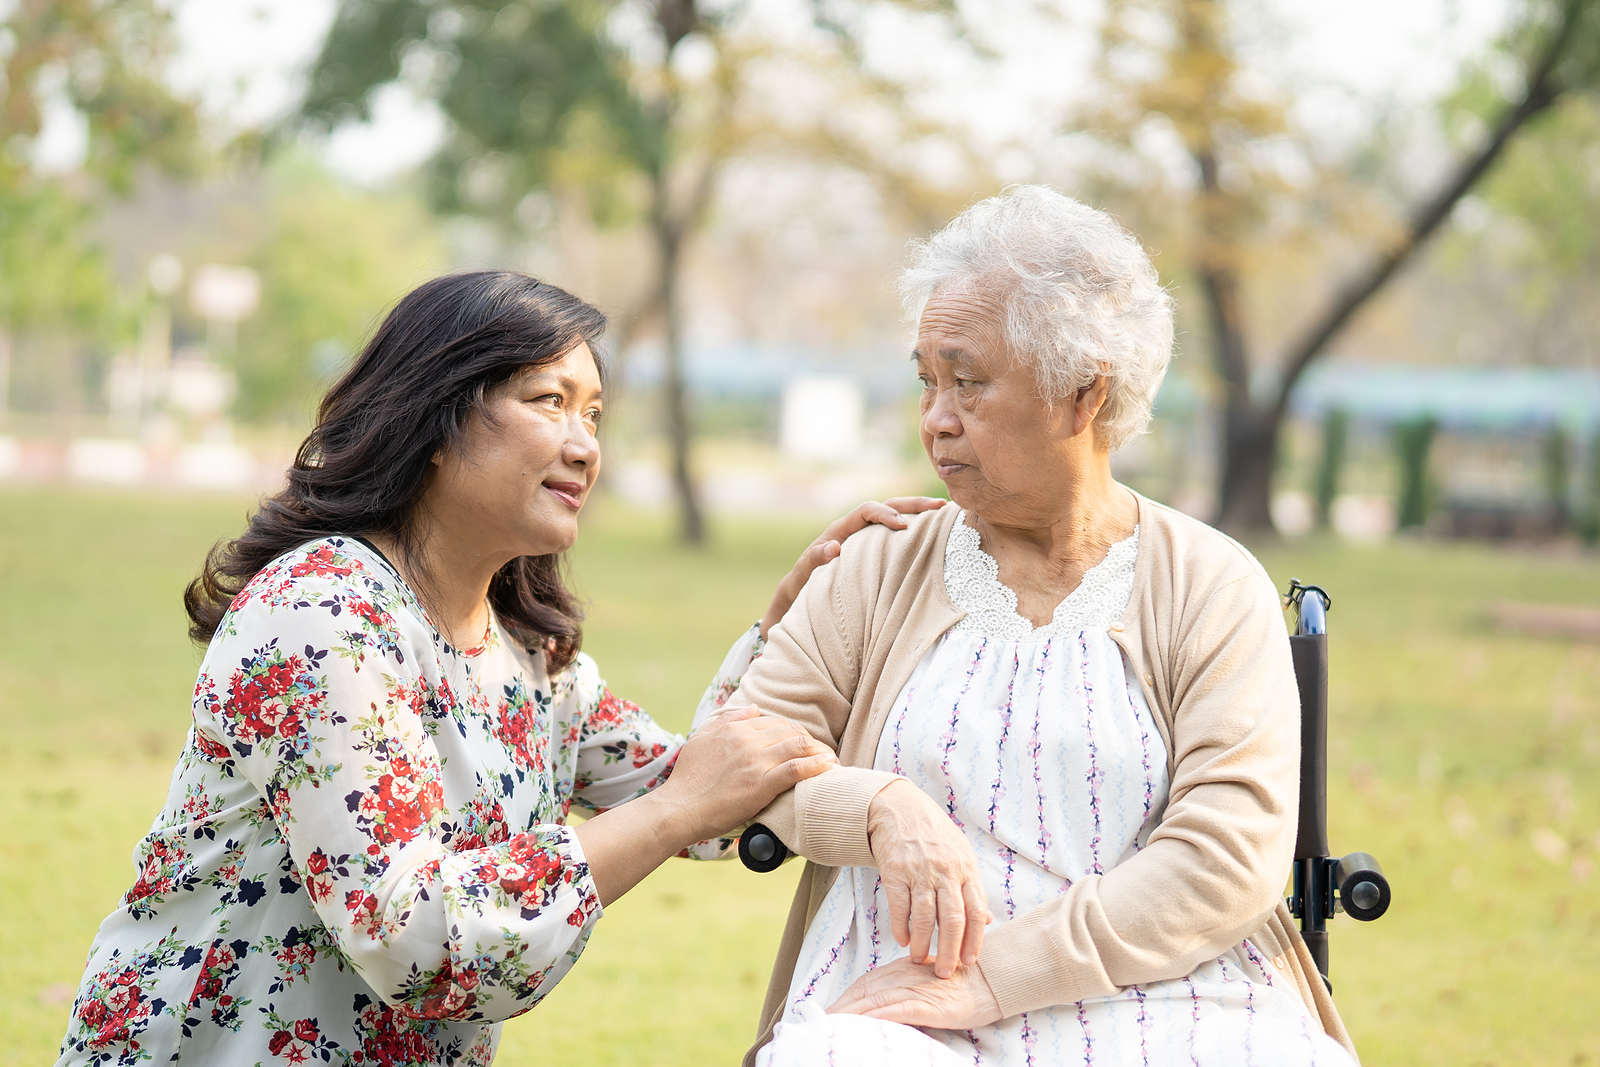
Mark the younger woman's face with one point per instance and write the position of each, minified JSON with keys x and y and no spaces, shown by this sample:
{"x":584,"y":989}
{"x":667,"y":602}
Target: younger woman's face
{"x":515,"y":486}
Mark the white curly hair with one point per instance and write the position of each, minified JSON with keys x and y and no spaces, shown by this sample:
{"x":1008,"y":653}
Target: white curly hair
{"x":1077,"y":292}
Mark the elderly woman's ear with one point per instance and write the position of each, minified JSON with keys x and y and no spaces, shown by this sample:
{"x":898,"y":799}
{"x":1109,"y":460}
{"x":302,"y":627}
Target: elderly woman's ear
{"x":1088,"y":402}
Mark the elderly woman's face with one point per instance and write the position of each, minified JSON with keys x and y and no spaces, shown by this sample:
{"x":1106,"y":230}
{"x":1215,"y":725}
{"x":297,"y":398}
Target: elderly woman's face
{"x":1001,"y":450}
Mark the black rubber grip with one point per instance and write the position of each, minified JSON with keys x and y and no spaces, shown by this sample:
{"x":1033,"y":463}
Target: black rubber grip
{"x":760,"y":850}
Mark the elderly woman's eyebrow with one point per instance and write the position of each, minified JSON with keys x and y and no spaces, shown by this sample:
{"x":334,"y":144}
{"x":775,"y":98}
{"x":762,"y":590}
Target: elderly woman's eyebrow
{"x":948,"y":353}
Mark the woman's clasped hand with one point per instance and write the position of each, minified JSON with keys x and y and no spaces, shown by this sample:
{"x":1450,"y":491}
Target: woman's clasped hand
{"x":732,"y":768}
{"x":930,"y":875}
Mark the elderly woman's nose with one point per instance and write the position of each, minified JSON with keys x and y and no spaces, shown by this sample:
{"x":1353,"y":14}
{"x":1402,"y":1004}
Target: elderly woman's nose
{"x":941,"y":417}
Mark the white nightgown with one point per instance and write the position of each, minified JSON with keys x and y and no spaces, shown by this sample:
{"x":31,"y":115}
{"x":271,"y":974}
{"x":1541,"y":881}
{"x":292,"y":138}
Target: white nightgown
{"x":1039,"y":744}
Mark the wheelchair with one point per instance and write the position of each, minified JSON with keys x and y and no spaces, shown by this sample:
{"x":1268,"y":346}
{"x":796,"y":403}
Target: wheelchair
{"x":1323,"y":886}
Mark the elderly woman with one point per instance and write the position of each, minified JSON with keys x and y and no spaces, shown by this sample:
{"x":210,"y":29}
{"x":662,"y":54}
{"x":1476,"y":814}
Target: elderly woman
{"x":1060,"y":704}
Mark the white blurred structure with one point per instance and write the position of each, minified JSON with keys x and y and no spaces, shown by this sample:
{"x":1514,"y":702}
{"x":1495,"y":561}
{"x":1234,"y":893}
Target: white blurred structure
{"x":222,"y":296}
{"x":1293,"y":512}
{"x":199,"y":387}
{"x":823,"y":418}
{"x":1363,"y":518}
{"x":106,"y":462}
{"x":10,"y":457}
{"x":216,"y":466}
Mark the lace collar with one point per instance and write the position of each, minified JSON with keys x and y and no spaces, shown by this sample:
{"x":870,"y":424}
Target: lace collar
{"x":972,"y":578}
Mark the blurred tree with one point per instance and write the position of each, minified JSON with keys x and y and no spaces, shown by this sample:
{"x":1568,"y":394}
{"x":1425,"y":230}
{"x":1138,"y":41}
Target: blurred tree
{"x":1176,"y":61}
{"x":1413,"y":442}
{"x":539,"y":95}
{"x":1335,"y":436}
{"x":332,"y":261}
{"x":1529,"y":255}
{"x":102,"y":61}
{"x":631,"y":111}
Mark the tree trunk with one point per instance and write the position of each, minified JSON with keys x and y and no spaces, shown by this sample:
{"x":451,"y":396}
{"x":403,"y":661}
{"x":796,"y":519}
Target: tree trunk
{"x":1250,"y":433}
{"x":1250,"y":452}
{"x":669,"y":238}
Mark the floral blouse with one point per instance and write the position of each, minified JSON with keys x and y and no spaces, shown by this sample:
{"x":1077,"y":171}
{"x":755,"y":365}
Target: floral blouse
{"x":364,"y":856}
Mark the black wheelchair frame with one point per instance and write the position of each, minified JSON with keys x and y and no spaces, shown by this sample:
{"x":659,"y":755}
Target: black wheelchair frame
{"x":1323,"y":886}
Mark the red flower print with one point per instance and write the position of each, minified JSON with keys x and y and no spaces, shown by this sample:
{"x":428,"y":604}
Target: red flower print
{"x":529,"y":872}
{"x":363,"y":909}
{"x":270,"y":697}
{"x":210,"y":749}
{"x":389,"y":1041}
{"x":323,"y":563}
{"x":519,"y":726}
{"x":610,"y":712}
{"x":369,"y":613}
{"x":644,"y":755}
{"x":403,"y":802}
{"x":305,"y":1030}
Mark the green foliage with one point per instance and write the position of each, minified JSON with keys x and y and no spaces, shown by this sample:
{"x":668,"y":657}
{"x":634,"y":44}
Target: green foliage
{"x":104,"y":58}
{"x":1413,"y":441}
{"x":52,"y":276}
{"x":533,"y":91}
{"x":1335,"y":436}
{"x":334,"y":259}
{"x":1589,"y":507}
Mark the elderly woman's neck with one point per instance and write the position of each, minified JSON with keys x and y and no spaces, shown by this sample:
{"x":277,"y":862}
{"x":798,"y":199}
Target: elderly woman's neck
{"x":1045,"y":546}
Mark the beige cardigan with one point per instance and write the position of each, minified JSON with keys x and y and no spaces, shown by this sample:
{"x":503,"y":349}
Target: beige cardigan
{"x":1203,"y":631}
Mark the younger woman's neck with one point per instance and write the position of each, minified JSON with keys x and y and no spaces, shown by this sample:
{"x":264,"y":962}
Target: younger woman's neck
{"x":449,"y":578}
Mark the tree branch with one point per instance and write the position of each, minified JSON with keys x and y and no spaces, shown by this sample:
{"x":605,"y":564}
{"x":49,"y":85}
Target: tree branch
{"x":1543,"y":90}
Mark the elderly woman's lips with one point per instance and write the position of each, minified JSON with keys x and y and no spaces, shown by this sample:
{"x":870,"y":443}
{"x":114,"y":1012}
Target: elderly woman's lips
{"x":947,"y":468}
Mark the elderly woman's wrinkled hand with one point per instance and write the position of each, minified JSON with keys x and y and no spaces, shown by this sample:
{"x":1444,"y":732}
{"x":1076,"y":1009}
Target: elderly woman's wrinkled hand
{"x":930,"y":875}
{"x":905,"y":992}
{"x":825,"y":548}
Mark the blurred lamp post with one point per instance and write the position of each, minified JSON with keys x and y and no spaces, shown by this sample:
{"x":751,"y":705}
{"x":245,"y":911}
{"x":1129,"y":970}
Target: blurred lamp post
{"x":222,"y":296}
{"x":164,"y":274}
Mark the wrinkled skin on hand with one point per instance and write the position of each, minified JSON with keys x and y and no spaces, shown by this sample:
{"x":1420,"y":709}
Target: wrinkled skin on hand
{"x":911,"y":993}
{"x":930,"y":875}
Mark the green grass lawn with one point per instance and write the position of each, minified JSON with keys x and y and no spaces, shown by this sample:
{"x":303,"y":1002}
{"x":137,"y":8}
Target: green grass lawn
{"x":1464,"y":759}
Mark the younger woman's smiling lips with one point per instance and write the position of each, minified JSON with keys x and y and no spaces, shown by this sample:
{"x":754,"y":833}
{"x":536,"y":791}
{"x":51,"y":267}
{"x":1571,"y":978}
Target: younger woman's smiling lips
{"x":569,"y":493}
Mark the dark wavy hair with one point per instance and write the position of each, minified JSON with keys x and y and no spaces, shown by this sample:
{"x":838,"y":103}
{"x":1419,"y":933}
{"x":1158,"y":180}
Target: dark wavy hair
{"x":408,"y":396}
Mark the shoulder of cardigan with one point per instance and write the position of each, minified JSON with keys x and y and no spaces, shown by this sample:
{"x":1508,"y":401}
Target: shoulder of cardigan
{"x":879,"y":561}
{"x":1165,"y":535}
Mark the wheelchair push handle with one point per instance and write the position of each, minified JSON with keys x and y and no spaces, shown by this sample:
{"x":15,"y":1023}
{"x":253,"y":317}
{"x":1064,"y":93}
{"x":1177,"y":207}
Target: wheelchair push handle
{"x":1323,"y":886}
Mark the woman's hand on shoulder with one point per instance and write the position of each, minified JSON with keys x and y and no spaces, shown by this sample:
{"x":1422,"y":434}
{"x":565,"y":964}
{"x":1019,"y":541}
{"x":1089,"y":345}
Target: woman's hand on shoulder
{"x":904,"y":992}
{"x":889,"y":513}
{"x":930,"y":875}
{"x":735,"y":765}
